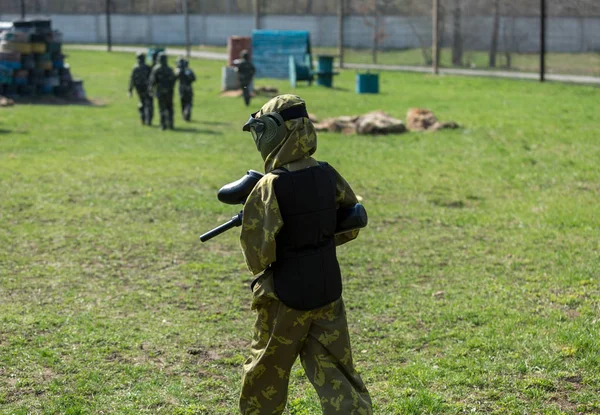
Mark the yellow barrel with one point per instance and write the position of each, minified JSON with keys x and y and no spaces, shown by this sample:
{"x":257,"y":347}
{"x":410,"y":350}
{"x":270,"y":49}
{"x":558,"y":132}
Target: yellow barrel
{"x":38,"y":47}
{"x":8,"y":46}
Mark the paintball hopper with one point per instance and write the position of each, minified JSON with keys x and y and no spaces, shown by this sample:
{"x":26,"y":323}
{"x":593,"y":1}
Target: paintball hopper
{"x":237,"y":192}
{"x":351,"y":218}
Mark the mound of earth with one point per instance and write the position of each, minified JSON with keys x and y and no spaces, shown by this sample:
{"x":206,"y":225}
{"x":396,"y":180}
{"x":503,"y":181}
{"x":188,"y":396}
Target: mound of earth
{"x":372,"y":123}
{"x":6,"y":102}
{"x":380,"y":123}
{"x":421,"y":119}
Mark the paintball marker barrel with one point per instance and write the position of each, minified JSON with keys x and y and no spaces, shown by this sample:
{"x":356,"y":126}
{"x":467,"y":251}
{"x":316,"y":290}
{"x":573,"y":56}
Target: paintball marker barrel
{"x":235,"y":221}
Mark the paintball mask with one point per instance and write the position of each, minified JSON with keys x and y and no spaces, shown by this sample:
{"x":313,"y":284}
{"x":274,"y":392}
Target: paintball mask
{"x":269,"y":129}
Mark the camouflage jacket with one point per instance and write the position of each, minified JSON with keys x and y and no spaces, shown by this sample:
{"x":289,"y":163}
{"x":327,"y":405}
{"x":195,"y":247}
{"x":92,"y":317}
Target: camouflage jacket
{"x":262,"y":218}
{"x":245,"y":71}
{"x":185,"y":77}
{"x":140,"y":76}
{"x":162,"y":78}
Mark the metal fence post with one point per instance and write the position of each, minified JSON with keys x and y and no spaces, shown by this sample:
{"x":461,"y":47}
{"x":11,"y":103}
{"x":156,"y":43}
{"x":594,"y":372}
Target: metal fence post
{"x":542,"y":40}
{"x":435,"y":53}
{"x":341,"y":32}
{"x":150,"y":13}
{"x":187,"y":28}
{"x":23,"y":9}
{"x":108,"y":35}
{"x":257,"y":14}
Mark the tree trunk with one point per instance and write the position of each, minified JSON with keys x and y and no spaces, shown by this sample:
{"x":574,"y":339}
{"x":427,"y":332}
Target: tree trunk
{"x":457,"y":46}
{"x":495,"y":28}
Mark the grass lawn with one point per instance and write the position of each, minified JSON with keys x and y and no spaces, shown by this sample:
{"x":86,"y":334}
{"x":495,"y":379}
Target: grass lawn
{"x":474,"y":289}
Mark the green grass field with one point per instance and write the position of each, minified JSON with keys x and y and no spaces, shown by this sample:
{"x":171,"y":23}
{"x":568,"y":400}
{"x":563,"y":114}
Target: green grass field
{"x":474,"y":289}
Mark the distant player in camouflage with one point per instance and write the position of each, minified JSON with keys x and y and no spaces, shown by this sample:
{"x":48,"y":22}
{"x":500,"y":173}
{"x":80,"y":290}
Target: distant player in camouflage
{"x":140,"y":76}
{"x":162,"y":82}
{"x":245,"y":70}
{"x":186,"y":78}
{"x":289,"y":244}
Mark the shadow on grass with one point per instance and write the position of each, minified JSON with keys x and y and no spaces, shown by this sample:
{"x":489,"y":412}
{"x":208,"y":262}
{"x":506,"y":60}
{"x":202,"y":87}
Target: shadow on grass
{"x":196,"y":131}
{"x":215,"y":123}
{"x":314,"y":85}
{"x":51,"y":100}
{"x":3,"y":131}
{"x":339,"y":88}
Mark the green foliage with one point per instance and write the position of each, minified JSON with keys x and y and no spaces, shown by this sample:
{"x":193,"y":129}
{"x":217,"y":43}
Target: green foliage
{"x":473,"y":289}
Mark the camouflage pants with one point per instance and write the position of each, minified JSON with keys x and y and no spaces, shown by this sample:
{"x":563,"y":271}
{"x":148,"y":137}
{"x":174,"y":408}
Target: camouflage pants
{"x":165,"y":106}
{"x":246,"y":94}
{"x":186,"y":106}
{"x":146,"y":108}
{"x":320,"y":337}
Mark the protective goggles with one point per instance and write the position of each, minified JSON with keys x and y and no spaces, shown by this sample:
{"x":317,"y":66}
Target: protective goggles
{"x":257,"y":127}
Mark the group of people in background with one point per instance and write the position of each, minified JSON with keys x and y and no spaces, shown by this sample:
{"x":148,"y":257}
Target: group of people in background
{"x":159,"y":81}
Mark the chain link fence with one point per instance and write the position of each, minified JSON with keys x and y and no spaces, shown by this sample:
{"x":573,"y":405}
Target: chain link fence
{"x":502,"y":35}
{"x":480,"y":34}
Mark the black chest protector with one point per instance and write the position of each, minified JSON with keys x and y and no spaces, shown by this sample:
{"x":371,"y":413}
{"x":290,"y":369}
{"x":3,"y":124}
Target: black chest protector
{"x":306,"y":272}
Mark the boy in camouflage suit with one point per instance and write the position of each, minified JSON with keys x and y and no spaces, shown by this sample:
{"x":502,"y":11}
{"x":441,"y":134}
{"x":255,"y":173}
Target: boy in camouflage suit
{"x":186,"y":93}
{"x":139,"y":79}
{"x":162,"y":80}
{"x":288,"y":241}
{"x":245,"y":70}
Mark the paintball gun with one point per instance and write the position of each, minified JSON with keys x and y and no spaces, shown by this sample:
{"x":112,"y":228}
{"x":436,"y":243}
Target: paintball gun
{"x":237,"y":192}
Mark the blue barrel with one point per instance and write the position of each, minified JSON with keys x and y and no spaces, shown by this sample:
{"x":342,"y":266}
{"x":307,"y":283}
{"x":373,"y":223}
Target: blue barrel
{"x":6,"y":75}
{"x":325,"y":71}
{"x":11,"y":64}
{"x":367,"y":83}
{"x":325,"y":63}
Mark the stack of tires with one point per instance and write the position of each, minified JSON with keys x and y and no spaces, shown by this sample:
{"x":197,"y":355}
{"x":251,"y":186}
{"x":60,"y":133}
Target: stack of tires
{"x":32,"y":62}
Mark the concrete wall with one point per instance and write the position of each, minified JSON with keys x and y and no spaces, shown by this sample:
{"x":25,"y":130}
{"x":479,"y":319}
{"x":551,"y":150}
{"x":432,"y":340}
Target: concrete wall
{"x":521,"y":34}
